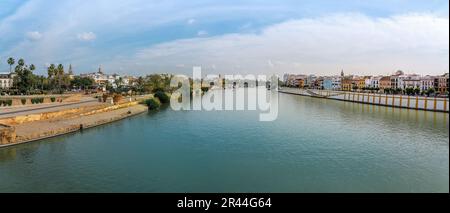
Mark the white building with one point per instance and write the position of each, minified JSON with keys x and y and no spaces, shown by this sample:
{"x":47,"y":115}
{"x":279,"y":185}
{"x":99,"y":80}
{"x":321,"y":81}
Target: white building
{"x":336,"y":83}
{"x":6,"y":80}
{"x":411,"y":81}
{"x":427,"y":82}
{"x":373,"y":82}
{"x":103,"y":79}
{"x":310,"y":80}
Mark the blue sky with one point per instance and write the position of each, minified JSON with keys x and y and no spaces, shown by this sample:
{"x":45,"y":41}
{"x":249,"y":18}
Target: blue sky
{"x":255,"y":36}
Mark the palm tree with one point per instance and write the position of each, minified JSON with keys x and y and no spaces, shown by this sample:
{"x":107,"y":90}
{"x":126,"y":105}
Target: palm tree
{"x":60,"y":70}
{"x":35,"y":79}
{"x":21,"y":62}
{"x":11,"y":62}
{"x":51,"y":70}
{"x":60,"y":73}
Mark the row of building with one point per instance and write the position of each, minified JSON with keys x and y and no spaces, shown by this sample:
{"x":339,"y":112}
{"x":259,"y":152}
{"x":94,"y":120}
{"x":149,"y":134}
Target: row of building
{"x":399,"y":80}
{"x":115,"y":80}
{"x":100,"y":78}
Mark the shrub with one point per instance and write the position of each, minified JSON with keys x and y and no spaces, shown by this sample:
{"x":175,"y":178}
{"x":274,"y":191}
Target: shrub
{"x":23,"y":100}
{"x":8,"y":102}
{"x":153,"y":103}
{"x":37,"y":100}
{"x":117,"y":98}
{"x":163,"y":97}
{"x":105,"y":97}
{"x":53,"y":99}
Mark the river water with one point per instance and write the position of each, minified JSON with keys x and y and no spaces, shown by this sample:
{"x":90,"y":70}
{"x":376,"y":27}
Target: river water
{"x":315,"y":145}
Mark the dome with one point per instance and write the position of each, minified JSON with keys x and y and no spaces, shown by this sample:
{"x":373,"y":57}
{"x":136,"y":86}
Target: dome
{"x":399,"y":72}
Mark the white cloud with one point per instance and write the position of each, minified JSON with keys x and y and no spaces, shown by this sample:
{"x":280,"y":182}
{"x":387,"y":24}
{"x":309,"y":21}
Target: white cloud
{"x":34,"y":35}
{"x":191,"y":21}
{"x":202,"y":33}
{"x":87,"y":36}
{"x":354,"y":42}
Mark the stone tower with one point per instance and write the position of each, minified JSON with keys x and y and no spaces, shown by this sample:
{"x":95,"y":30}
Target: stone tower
{"x":100,"y":70}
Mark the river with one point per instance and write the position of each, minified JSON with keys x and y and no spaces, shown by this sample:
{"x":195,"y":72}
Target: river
{"x":315,"y":145}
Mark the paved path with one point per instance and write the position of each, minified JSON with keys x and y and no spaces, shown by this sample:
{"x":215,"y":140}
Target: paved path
{"x":19,"y":111}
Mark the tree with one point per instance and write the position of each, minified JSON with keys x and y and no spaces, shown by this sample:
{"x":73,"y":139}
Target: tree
{"x":60,"y":70}
{"x":430,"y":91}
{"x":163,"y":97}
{"x":11,"y":62}
{"x":416,"y":91}
{"x":21,"y":62}
{"x":24,"y":78}
{"x":60,"y":74}
{"x":82,"y":82}
{"x":409,"y":91}
{"x":140,"y":83}
{"x":51,"y":71}
{"x":118,"y":82}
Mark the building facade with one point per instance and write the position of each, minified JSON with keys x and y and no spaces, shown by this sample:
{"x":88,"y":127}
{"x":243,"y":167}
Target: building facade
{"x":443,"y":84}
{"x":374,"y":82}
{"x":327,"y":83}
{"x":427,"y":82}
{"x":385,"y":83}
{"x":411,"y":81}
{"x":6,"y":80}
{"x":347,"y":84}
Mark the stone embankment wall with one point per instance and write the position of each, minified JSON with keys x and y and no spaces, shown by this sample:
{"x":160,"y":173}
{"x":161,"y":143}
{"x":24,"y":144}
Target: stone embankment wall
{"x":8,"y":131}
{"x":76,"y":112}
{"x":42,"y":116}
{"x":7,"y":135}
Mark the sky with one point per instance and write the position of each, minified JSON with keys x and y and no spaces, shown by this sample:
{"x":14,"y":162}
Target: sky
{"x":140,"y":37}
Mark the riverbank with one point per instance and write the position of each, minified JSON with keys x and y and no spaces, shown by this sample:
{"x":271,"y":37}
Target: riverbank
{"x":395,"y":101}
{"x":18,"y":130}
{"x":38,"y":130}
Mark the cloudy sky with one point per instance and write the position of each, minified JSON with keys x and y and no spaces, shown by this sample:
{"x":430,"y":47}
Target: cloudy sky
{"x":254,"y":36}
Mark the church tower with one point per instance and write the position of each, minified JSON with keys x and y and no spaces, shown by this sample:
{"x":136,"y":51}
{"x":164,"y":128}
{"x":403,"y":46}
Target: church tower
{"x":70,"y":70}
{"x":100,"y":70}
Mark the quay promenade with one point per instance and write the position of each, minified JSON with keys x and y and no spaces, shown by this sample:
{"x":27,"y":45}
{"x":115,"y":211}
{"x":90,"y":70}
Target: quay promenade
{"x":398,"y":101}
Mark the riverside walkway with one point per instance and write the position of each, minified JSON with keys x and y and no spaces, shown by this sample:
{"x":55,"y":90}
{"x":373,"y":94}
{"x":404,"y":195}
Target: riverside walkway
{"x":398,"y":101}
{"x":42,"y":108}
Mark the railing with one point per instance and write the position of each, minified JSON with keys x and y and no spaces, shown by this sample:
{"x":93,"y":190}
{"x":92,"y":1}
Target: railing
{"x":410,"y":102}
{"x":402,"y":101}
